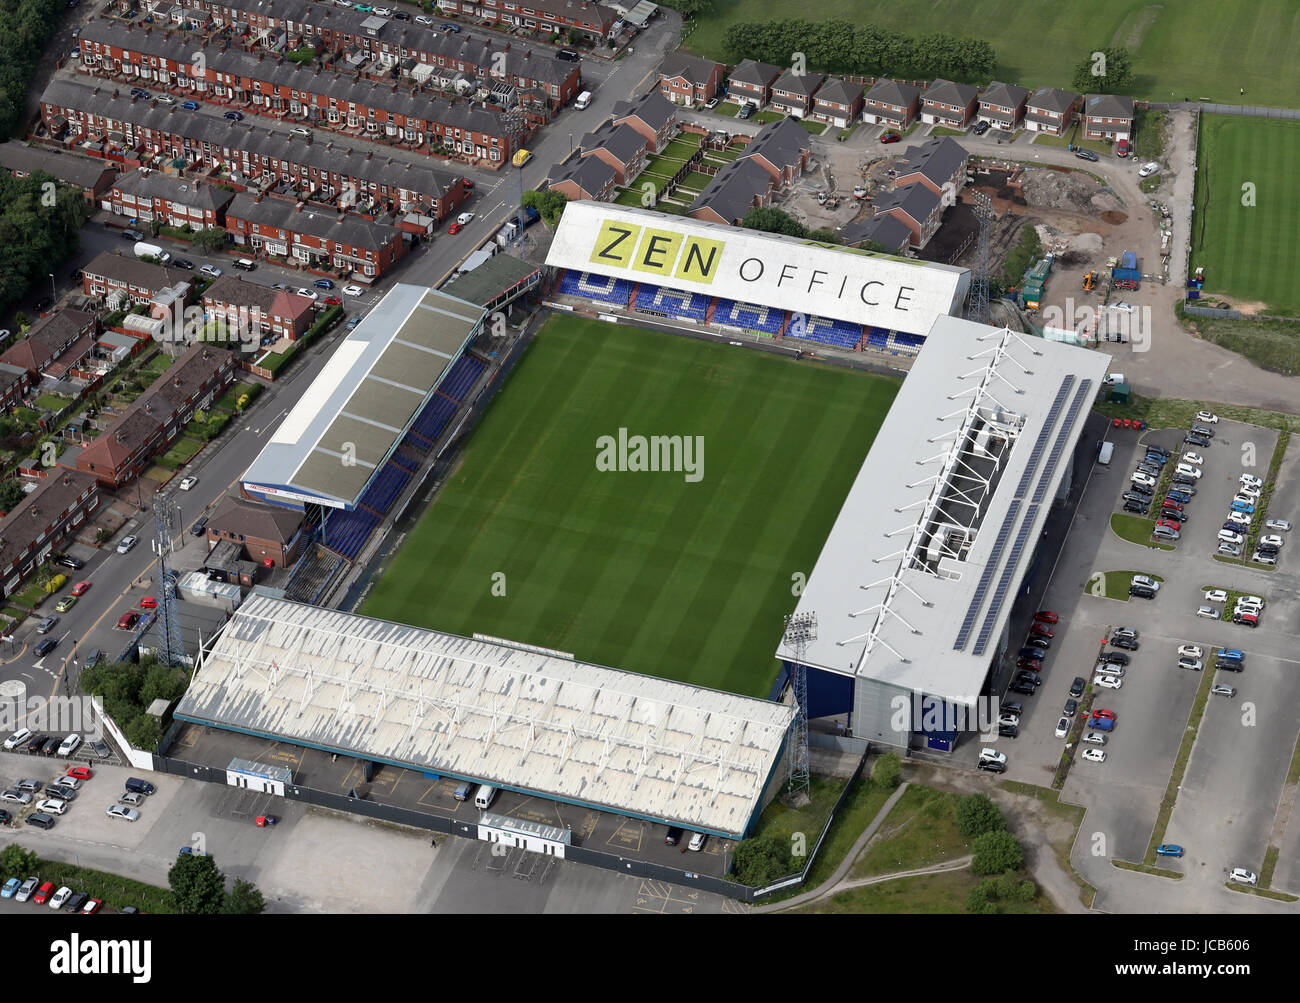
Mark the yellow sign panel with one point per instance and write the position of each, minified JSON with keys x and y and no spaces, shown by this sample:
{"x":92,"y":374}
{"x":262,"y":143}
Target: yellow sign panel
{"x":657,"y":251}
{"x":699,"y":260}
{"x":615,"y":244}
{"x":666,"y":253}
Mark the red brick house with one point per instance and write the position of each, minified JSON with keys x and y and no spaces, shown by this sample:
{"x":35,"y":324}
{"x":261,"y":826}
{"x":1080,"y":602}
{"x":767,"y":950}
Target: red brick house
{"x":752,"y":81}
{"x":580,"y":177}
{"x":652,"y":115}
{"x":689,"y":80}
{"x":948,"y":104}
{"x":92,"y":176}
{"x":938,"y":164}
{"x":263,"y":531}
{"x":327,"y":241}
{"x":1050,"y":110}
{"x":250,"y":305}
{"x":916,"y":207}
{"x":838,"y":103}
{"x":1003,"y":105}
{"x":49,"y":515}
{"x":792,"y":94}
{"x":622,"y":147}
{"x":149,"y":195}
{"x":1108,"y":116}
{"x":594,"y":20}
{"x":135,"y":281}
{"x":783,"y":148}
{"x":48,"y":339}
{"x":891,"y":103}
{"x":742,"y":185}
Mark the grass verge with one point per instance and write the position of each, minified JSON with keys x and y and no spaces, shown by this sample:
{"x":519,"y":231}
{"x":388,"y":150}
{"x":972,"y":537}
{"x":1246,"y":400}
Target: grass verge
{"x":1180,"y":767}
{"x":920,"y":831}
{"x":1135,"y":529}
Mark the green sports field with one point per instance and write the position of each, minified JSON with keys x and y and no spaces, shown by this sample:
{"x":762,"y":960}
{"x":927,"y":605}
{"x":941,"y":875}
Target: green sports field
{"x":640,"y":570}
{"x":1249,"y":252}
{"x":1210,"y":49}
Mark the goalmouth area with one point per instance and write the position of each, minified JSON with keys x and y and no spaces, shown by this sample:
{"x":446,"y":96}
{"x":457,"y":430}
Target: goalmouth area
{"x":555,"y":530}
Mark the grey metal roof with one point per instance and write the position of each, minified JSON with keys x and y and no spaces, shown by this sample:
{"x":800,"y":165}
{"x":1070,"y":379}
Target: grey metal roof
{"x":1052,"y":99}
{"x":893,"y":92}
{"x":509,"y":715}
{"x":947,"y":92}
{"x":84,"y":172}
{"x":491,"y":279}
{"x":345,"y":228}
{"x":936,"y":159}
{"x":979,"y":402}
{"x":1108,"y":106}
{"x":376,"y":380}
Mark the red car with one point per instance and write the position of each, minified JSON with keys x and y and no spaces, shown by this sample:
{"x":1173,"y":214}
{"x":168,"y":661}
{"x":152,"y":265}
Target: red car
{"x":148,"y":602}
{"x":1103,"y":713}
{"x":454,"y":229}
{"x":81,"y":588}
{"x":469,"y":185}
{"x":890,"y":137}
{"x":333,"y":301}
{"x":1041,"y":630}
{"x":43,"y":893}
{"x":1046,"y":616}
{"x":92,"y":907}
{"x":1029,"y":665}
{"x":1170,"y":523}
{"x":1177,"y":506}
{"x":80,"y":772}
{"x":128,"y":620}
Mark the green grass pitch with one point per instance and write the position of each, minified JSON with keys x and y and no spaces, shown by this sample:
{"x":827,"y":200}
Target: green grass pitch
{"x":1249,"y":251}
{"x":1209,"y":49}
{"x":640,"y":570}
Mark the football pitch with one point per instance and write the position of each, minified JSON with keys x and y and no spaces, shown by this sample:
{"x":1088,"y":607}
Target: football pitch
{"x":1248,"y":210}
{"x":682,"y":574}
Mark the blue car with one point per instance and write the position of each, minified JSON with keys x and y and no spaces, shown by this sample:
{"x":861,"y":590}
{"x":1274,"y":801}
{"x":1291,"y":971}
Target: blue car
{"x":11,"y":886}
{"x":1179,"y":496}
{"x":190,"y":105}
{"x":1243,"y":508}
{"x":324,"y":284}
{"x":188,"y":851}
{"x":453,"y":28}
{"x":1169,"y":850}
{"x":1230,"y":653}
{"x":235,"y":116}
{"x":1035,"y":653}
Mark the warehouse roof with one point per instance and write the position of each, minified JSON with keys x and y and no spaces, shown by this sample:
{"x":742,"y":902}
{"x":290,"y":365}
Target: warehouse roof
{"x":509,"y":715}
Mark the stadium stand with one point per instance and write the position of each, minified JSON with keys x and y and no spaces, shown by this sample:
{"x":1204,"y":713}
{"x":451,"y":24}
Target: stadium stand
{"x":671,"y":302}
{"x":877,"y":338}
{"x":313,"y":574}
{"x":603,"y":288}
{"x":748,"y":316}
{"x":462,"y":375}
{"x":825,"y":331}
{"x":429,"y":424}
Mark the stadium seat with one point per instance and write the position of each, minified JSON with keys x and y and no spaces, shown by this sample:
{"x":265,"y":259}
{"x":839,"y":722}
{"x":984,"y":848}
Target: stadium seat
{"x":671,"y":302}
{"x":462,"y":375}
{"x":825,"y":331}
{"x":749,"y":316}
{"x":589,"y":285}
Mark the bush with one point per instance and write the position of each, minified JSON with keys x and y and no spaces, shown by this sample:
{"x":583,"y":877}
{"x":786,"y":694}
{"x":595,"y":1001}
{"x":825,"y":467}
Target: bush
{"x":977,"y":814}
{"x":996,"y":852}
{"x":15,"y":862}
{"x":1026,"y":891}
{"x":887,"y":771}
{"x":143,"y":732}
{"x":761,"y":860}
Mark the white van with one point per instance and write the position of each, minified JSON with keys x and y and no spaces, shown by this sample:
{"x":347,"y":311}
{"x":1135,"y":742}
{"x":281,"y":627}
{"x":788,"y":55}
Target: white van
{"x":485,"y":796}
{"x":145,"y":250}
{"x":70,"y":745}
{"x":1106,"y":452}
{"x":582,"y":100}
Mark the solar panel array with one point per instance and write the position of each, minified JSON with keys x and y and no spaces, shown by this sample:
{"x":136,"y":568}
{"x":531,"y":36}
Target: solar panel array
{"x":1008,"y":572}
{"x":982,"y":587}
{"x":1062,"y":437}
{"x":1043,"y":435}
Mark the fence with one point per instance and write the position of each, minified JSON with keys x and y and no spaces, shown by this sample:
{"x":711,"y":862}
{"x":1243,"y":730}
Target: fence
{"x":1210,"y":311}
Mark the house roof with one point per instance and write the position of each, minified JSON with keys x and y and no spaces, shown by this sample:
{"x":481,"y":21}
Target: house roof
{"x":1004,"y":95}
{"x":780,"y":143}
{"x":84,"y":172}
{"x":888,"y":231}
{"x":591,"y":174}
{"x":893,"y":92}
{"x":751,"y":71}
{"x":836,"y":91}
{"x":624,"y":142}
{"x":695,"y":69}
{"x":53,"y":496}
{"x":238,"y":291}
{"x":187,"y":191}
{"x":798,"y":83}
{"x":343,"y":228}
{"x":946,"y":92}
{"x":123,"y":268}
{"x":935,"y":159}
{"x":653,"y":109}
{"x":916,"y":201}
{"x":1108,"y":106}
{"x":126,"y":435}
{"x":47,"y":337}
{"x":731,"y":192}
{"x":249,"y":518}
{"x":1052,"y":99}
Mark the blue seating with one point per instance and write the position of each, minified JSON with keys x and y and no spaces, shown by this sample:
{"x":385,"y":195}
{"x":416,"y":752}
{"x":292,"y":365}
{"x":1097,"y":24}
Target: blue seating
{"x":430,"y":422}
{"x":347,"y":532}
{"x":749,"y":316}
{"x":915,"y":340}
{"x":877,"y":337}
{"x":384,"y":488}
{"x":825,"y":331}
{"x":462,"y":375}
{"x":589,"y":285}
{"x":672,"y":302}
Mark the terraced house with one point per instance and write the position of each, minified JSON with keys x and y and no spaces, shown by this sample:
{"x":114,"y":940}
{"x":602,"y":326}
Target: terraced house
{"x":93,"y":177}
{"x":137,"y":132}
{"x":149,"y":195}
{"x":324,"y":241}
{"x":248,"y":305}
{"x":594,"y":20}
{"x":50,"y":338}
{"x":49,"y":515}
{"x":287,"y":90}
{"x":652,"y":115}
{"x":619,"y":146}
{"x":113,"y":275}
{"x":580,"y":177}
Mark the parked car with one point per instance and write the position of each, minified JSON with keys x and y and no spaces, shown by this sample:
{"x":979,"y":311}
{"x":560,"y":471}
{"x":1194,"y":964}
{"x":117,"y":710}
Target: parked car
{"x":190,"y":105}
{"x":1062,"y":727}
{"x":46,"y":646}
{"x":890,"y":137}
{"x":1115,"y":657}
{"x":43,"y":893}
{"x":1223,"y":690}
{"x":127,"y":545}
{"x":1208,"y":612}
{"x":1169,"y":850}
{"x":26,"y":889}
{"x":1244,"y":876}
{"x":353,"y":291}
{"x":981,"y":128}
{"x":188,"y":482}
{"x":990,"y":766}
{"x":1087,"y":155}
{"x":1094,"y":755}
{"x":1190,"y":651}
{"x":122,"y":812}
{"x":1278,"y":525}
{"x":1077,"y":687}
{"x":235,"y":116}
{"x":323,"y":284}
{"x":18,"y":738}
{"x":128,"y":620}
{"x":1148,"y":169}
{"x":1229,"y":550}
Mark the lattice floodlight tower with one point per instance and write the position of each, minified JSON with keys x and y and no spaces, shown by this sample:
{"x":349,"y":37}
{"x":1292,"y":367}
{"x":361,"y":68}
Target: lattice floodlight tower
{"x":171,"y":645}
{"x":979,"y":290}
{"x":800,"y":628}
{"x":515,"y":123}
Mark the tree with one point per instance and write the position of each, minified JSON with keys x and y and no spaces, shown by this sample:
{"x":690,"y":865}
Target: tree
{"x":143,"y":732}
{"x":977,"y":814}
{"x":995,"y":852}
{"x":20,"y":321}
{"x":15,"y":862}
{"x":887,"y":771}
{"x":760,"y":860}
{"x":11,"y":494}
{"x":210,"y":239}
{"x":549,"y":204}
{"x":826,"y":236}
{"x":772,"y":220}
{"x":1105,"y":71}
{"x":1026,"y":891}
{"x":198,"y":888}
{"x":244,"y":900}
{"x":690,"y":8}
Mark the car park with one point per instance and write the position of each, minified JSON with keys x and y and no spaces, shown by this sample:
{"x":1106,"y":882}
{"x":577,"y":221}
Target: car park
{"x":1094,"y":755}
